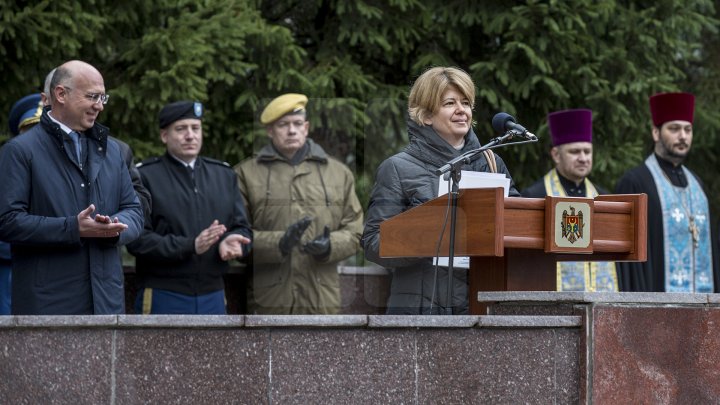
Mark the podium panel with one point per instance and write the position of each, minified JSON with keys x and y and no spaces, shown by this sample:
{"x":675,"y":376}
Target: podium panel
{"x":506,"y":237}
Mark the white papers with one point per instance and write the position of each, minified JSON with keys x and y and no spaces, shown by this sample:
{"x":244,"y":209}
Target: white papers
{"x":470,"y":179}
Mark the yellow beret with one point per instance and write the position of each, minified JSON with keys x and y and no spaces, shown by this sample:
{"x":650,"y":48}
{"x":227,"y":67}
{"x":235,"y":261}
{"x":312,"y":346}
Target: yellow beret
{"x":287,"y":103}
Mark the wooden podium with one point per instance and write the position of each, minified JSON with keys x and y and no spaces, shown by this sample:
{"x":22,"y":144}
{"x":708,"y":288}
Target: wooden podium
{"x":507,"y":238}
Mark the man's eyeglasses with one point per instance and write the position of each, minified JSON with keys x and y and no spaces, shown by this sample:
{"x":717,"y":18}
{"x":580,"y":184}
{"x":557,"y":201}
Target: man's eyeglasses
{"x":96,"y":98}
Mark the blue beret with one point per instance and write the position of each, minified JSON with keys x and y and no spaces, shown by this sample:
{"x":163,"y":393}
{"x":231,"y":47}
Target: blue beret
{"x":179,"y":110}
{"x":24,"y":112}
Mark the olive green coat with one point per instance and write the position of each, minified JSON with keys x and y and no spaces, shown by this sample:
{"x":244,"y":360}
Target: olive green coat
{"x":277,"y":194}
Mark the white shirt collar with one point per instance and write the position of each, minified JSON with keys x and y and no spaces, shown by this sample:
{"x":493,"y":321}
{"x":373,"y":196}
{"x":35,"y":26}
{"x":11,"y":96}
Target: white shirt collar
{"x":64,"y":127}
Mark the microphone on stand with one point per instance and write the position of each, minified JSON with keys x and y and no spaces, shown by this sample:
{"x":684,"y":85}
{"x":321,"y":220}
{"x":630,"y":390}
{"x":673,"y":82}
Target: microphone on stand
{"x":504,"y":122}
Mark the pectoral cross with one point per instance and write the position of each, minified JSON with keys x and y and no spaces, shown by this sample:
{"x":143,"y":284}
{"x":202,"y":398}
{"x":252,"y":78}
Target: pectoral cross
{"x":694,"y":231}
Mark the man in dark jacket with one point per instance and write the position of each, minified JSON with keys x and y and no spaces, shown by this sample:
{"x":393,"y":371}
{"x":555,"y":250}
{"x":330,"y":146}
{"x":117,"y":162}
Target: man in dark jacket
{"x":59,"y":173}
{"x":197,"y":224}
{"x":125,"y":150}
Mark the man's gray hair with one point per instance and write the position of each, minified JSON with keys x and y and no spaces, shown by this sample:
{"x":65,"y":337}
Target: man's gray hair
{"x":48,"y":80}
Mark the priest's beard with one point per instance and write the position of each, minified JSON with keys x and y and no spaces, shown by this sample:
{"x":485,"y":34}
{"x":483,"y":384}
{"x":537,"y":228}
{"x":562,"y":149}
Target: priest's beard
{"x":669,"y":153}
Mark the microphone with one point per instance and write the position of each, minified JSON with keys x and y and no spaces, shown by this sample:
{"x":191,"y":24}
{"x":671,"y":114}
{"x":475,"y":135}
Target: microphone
{"x":503,"y":122}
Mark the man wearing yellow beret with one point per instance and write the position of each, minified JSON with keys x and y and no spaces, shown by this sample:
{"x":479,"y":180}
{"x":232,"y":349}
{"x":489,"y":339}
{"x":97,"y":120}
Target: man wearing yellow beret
{"x":305,"y":216}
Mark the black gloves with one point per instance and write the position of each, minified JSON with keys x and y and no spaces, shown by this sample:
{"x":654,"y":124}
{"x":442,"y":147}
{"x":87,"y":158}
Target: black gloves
{"x":319,"y":247}
{"x":293,"y":234}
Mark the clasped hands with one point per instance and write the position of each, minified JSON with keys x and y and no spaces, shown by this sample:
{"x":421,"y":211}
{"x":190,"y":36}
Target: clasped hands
{"x":319,"y":247}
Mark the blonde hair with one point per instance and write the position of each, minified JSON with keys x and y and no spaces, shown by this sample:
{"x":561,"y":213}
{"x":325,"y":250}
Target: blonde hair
{"x":427,"y":91}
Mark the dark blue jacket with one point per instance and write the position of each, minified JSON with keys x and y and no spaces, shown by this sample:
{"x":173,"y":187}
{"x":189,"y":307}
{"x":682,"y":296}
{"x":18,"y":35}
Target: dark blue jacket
{"x":54,"y":270}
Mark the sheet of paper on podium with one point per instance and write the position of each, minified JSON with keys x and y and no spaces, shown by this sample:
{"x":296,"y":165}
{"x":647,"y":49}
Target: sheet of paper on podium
{"x":470,"y":179}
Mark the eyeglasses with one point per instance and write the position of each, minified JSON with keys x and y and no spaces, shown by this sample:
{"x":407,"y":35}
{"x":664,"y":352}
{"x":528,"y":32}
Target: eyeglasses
{"x":96,"y":98}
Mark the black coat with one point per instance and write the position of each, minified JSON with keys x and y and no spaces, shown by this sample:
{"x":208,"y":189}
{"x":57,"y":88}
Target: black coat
{"x":183,"y":205}
{"x":142,"y":193}
{"x":650,"y":275}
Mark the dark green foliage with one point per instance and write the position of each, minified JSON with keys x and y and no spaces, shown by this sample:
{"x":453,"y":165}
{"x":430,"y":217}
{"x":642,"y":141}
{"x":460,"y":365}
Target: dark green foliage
{"x":356,"y":60}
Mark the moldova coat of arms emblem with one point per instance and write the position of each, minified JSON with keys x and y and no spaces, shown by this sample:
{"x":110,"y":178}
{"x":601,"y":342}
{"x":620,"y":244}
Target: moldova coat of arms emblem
{"x":572,"y":225}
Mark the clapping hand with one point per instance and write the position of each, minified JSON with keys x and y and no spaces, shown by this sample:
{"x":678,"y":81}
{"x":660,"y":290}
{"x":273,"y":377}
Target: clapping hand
{"x":209,"y":236}
{"x":293,"y":234}
{"x":101,"y":226}
{"x":319,"y":247}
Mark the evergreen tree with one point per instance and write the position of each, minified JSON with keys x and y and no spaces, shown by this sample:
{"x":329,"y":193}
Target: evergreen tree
{"x":356,"y":60}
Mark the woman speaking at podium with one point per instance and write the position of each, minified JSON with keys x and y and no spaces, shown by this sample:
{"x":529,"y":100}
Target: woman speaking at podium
{"x":440,"y":107}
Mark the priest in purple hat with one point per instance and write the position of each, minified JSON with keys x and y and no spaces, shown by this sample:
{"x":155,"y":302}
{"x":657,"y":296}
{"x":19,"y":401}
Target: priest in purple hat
{"x":571,"y":133}
{"x":679,"y":238}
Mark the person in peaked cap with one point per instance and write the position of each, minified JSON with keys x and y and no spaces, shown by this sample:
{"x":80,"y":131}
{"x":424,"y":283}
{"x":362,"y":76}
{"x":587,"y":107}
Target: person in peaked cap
{"x":25,"y":113}
{"x":197,"y":222}
{"x":306,"y":216}
{"x":572,"y":150}
{"x":678,"y":211}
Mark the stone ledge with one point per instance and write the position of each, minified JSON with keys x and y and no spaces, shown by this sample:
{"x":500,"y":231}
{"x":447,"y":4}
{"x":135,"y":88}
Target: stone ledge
{"x":422,"y":321}
{"x":7,"y":321}
{"x":597,"y":297}
{"x":288,"y":321}
{"x":182,"y":321}
{"x":62,"y":321}
{"x":313,"y":321}
{"x":363,"y":270}
{"x":528,"y":321}
{"x":713,"y":298}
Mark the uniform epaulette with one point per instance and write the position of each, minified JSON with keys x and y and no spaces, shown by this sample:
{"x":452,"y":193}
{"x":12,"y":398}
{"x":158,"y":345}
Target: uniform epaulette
{"x":217,"y":162}
{"x":148,"y":161}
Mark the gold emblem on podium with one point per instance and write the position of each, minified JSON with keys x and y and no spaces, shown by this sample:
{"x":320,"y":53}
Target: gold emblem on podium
{"x":569,"y":222}
{"x":572,"y":225}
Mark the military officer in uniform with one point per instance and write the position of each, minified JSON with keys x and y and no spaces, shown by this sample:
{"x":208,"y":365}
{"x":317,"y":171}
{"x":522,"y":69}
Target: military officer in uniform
{"x":306,"y":216}
{"x":197,"y":224}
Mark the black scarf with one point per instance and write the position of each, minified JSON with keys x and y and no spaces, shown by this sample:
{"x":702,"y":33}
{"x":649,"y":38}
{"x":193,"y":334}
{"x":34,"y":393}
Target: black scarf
{"x":428,"y":146}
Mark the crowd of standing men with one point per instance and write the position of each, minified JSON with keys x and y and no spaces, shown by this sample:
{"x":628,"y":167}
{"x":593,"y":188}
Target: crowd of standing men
{"x":72,"y":197}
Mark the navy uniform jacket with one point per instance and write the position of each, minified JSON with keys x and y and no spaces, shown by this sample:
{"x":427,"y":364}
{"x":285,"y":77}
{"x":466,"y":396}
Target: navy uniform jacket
{"x":183,"y":204}
{"x":54,"y":270}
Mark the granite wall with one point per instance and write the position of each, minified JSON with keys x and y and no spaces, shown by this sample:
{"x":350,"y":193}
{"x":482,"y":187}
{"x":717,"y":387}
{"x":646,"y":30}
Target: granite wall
{"x":347,"y":359}
{"x":532,"y":347}
{"x":639,"y":348}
